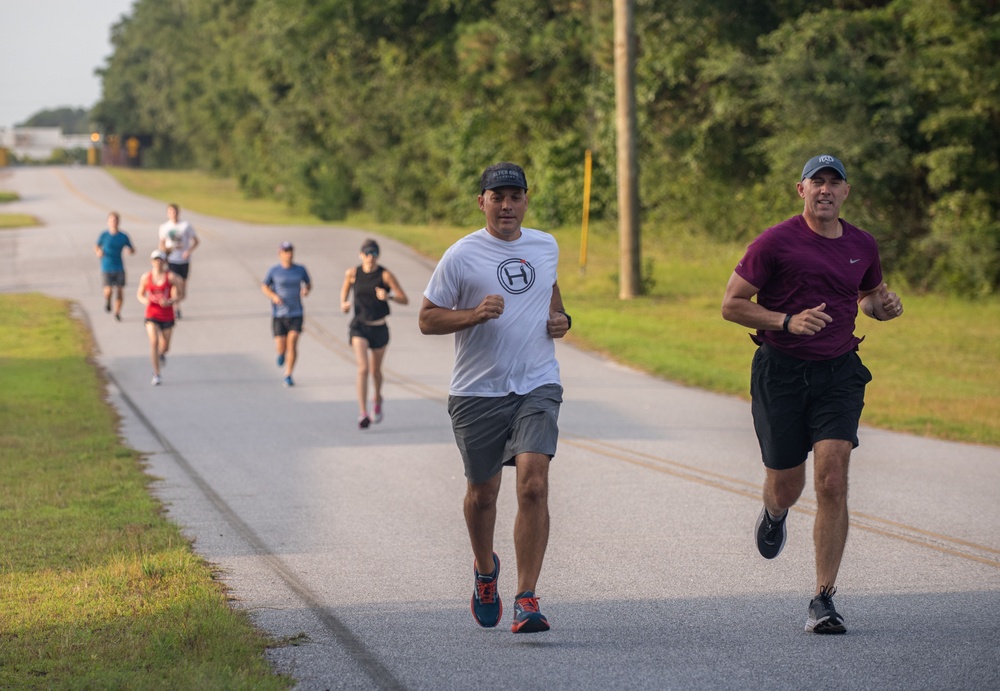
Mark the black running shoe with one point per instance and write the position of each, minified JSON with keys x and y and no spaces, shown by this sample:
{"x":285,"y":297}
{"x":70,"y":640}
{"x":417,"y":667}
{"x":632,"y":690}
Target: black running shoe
{"x":770,"y":534}
{"x":486,"y":606}
{"x":823,"y":617}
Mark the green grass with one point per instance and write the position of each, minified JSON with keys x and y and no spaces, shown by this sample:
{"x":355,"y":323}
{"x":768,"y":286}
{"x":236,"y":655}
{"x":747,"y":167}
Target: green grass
{"x":937,"y":369}
{"x":97,"y":589}
{"x":14,"y":220}
{"x":201,"y":191}
{"x":17,"y":221}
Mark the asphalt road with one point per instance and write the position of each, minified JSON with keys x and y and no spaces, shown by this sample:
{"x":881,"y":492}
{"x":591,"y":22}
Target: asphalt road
{"x":353,"y":544}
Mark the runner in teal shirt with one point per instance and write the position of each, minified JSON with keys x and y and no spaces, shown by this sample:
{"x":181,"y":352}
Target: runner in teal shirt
{"x":110,"y":245}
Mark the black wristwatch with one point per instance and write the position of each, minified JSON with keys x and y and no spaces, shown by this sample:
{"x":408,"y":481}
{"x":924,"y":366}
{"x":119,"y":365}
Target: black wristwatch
{"x":569,"y":319}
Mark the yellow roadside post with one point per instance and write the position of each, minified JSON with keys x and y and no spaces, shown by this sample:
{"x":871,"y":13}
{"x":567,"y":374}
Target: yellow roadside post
{"x":92,"y":151}
{"x":587,"y":165}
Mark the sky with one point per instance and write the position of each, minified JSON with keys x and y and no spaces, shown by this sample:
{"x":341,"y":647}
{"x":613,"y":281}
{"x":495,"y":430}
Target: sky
{"x":49,"y":51}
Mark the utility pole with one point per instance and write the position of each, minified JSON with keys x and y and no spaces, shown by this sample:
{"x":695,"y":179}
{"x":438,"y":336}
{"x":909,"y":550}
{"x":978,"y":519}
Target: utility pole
{"x":629,"y":282}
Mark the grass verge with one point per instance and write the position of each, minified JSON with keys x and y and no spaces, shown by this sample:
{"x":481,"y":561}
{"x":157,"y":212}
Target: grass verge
{"x":936,"y":369}
{"x":97,"y":589}
{"x":17,"y":221}
{"x":14,"y":220}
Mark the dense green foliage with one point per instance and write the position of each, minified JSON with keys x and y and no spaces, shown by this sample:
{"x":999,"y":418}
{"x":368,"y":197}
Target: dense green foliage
{"x":70,"y":120}
{"x":395,"y":106}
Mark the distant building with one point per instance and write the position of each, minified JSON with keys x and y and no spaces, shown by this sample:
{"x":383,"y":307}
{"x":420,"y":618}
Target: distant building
{"x":38,"y":143}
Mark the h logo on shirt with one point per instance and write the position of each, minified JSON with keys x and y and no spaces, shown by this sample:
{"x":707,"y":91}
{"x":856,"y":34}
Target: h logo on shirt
{"x":516,"y":275}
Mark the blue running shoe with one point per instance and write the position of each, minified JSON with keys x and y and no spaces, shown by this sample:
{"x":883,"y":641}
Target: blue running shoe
{"x":288,"y":381}
{"x":281,"y":360}
{"x":527,"y":618}
{"x":486,"y":606}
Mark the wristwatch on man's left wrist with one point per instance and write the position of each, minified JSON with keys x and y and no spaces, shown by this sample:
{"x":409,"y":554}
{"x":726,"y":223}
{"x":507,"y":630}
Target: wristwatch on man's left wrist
{"x":569,"y":319}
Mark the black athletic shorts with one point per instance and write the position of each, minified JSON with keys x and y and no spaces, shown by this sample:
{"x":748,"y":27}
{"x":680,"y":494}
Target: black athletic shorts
{"x":180,"y":269}
{"x":796,"y":403}
{"x":282,"y":326}
{"x":377,"y":335}
{"x":164,"y":326}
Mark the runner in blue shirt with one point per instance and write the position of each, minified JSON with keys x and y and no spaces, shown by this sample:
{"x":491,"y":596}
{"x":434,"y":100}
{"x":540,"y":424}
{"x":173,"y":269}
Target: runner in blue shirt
{"x":109,"y":248}
{"x":285,"y":285}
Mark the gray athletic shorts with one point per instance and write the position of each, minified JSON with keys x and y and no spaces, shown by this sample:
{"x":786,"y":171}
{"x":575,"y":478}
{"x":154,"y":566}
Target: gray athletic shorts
{"x":490,"y":432}
{"x":114,"y":278}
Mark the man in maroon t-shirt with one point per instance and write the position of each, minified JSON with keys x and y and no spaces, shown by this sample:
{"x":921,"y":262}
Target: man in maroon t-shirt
{"x":810,"y":274}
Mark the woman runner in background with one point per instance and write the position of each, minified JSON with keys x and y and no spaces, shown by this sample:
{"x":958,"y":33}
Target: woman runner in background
{"x":374,"y":286}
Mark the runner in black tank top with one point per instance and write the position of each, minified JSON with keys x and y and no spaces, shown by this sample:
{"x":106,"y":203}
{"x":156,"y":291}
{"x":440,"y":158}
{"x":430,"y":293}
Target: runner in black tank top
{"x":374,"y":286}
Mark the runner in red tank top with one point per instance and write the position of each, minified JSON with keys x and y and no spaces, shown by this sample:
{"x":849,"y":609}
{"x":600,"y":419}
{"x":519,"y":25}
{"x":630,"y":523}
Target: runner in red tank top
{"x":159,"y":291}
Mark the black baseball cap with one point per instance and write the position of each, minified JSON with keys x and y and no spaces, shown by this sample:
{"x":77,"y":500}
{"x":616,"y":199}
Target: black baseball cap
{"x":503,"y":175}
{"x":370,"y":247}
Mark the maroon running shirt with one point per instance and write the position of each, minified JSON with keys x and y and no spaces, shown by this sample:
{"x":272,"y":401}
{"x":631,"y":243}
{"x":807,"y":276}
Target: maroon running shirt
{"x":795,"y":269}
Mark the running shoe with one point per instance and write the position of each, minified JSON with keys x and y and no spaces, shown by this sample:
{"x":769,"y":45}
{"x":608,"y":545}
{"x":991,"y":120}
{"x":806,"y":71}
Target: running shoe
{"x":156,"y":380}
{"x":118,"y":317}
{"x":364,"y":421}
{"x":486,"y":606}
{"x":527,"y":618}
{"x":770,"y":534}
{"x":377,"y":412}
{"x":163,"y":359}
{"x":107,"y":305}
{"x":288,"y":381}
{"x":823,"y":617}
{"x":281,"y":360}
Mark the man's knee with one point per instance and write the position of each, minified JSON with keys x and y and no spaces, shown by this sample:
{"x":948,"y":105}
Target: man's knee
{"x":832,"y":459}
{"x":481,"y":496}
{"x":533,"y":479}
{"x":785,"y":486}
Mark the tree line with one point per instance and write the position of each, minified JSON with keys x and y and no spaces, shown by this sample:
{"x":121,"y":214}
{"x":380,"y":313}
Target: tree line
{"x":395,"y":106}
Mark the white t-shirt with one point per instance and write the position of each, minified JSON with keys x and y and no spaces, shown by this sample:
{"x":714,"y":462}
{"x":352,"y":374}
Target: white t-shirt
{"x":178,"y":237}
{"x":514,"y":353}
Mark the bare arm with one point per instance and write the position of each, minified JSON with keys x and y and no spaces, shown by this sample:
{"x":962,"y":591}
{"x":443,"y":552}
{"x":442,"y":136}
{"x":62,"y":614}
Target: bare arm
{"x":194,"y":243}
{"x":558,"y":323}
{"x":141,"y":292}
{"x":880,"y":304}
{"x":435,"y":320}
{"x":738,"y":306}
{"x":176,"y":288}
{"x":395,"y":292}
{"x":271,"y":295}
{"x":345,"y":290}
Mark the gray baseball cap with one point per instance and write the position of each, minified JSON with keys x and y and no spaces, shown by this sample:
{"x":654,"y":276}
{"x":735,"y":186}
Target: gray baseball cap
{"x":818,"y":163}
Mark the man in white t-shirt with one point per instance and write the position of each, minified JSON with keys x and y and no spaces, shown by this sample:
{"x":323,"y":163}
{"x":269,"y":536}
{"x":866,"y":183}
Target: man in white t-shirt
{"x":178,"y":240}
{"x":496,"y":290}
